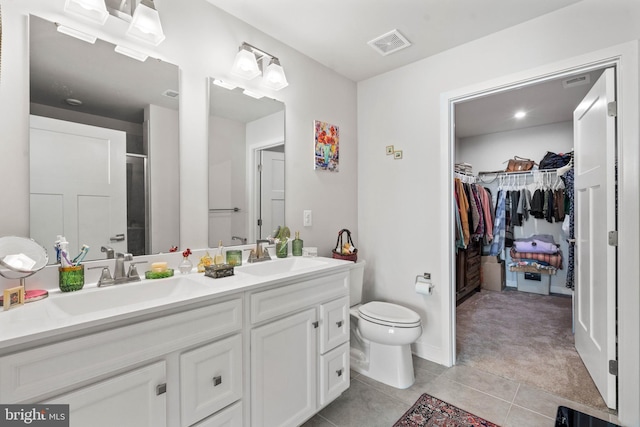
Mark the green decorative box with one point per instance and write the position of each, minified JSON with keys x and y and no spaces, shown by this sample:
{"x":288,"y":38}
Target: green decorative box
{"x":158,"y":274}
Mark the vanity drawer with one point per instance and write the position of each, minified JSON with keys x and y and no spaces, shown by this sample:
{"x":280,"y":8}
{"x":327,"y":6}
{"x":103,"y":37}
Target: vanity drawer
{"x":229,"y":417}
{"x":278,"y":301}
{"x":334,"y":373}
{"x":334,"y":324}
{"x":43,"y":370}
{"x":210,"y":378}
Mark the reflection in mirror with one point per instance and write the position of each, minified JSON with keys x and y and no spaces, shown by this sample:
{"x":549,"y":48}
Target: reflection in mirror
{"x":246,"y":166}
{"x":93,"y":115}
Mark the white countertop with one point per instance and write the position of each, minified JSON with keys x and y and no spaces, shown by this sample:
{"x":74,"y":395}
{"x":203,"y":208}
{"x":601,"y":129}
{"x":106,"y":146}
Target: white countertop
{"x":91,"y":308}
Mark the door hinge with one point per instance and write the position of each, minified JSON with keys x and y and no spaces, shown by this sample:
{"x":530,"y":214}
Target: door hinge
{"x":612,"y":109}
{"x":260,"y":222}
{"x":613,"y":367}
{"x":315,"y":324}
{"x":613,"y":238}
{"x":260,"y":167}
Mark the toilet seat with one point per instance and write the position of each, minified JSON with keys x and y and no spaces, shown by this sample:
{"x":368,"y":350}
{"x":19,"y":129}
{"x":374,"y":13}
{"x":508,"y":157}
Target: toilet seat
{"x":387,"y":314}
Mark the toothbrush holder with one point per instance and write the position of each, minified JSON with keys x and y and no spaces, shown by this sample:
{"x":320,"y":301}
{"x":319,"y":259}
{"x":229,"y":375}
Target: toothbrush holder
{"x":71,"y":278}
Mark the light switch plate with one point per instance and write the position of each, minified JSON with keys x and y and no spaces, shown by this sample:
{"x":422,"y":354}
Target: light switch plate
{"x":307,"y":218}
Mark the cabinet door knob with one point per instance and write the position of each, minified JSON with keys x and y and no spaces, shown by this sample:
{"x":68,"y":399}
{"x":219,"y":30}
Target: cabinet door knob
{"x":315,"y":324}
{"x":339,"y":323}
{"x":217,"y":381}
{"x":339,"y":372}
{"x":161,"y":389}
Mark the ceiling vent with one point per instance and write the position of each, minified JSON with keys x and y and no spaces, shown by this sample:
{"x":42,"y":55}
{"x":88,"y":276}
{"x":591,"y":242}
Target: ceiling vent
{"x":388,"y":43}
{"x":170,"y":93}
{"x":576,"y":81}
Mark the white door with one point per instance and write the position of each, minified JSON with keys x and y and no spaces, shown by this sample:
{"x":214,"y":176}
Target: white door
{"x":595,"y":216}
{"x":283,"y":371}
{"x":271,"y":191}
{"x":78,"y":186}
{"x":129,"y":400}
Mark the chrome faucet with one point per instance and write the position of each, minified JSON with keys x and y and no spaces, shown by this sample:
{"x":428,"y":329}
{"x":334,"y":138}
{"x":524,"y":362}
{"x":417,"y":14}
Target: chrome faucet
{"x":108,"y":250}
{"x":118,"y":272}
{"x":242,"y":239}
{"x":259,"y":253}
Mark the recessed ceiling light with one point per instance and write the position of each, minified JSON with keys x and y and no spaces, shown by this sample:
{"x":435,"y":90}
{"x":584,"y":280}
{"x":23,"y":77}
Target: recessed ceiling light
{"x":520,"y":115}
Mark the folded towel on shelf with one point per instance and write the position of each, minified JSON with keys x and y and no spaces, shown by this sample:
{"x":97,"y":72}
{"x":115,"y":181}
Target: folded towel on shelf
{"x":553,"y":260}
{"x":536,"y":246}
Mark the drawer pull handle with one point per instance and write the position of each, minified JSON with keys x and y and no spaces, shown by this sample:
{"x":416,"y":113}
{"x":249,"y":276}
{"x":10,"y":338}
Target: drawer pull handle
{"x":217,"y":381}
{"x":161,"y":389}
{"x":339,"y":323}
{"x":339,"y":372}
{"x":315,"y":324}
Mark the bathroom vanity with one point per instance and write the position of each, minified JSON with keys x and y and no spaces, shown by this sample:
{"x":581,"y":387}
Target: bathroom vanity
{"x":268,"y":346}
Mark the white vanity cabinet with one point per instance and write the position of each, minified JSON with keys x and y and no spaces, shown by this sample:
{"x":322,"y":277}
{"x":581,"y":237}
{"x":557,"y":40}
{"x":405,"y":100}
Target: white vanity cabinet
{"x":299,"y":349}
{"x":136,"y":398}
{"x":145,"y":373}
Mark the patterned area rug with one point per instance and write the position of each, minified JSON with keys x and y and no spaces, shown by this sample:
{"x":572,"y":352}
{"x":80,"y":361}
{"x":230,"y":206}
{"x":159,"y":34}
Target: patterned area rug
{"x":431,"y":412}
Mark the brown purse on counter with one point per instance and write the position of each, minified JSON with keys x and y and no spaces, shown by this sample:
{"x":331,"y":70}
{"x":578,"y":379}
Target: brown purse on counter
{"x":519,"y":164}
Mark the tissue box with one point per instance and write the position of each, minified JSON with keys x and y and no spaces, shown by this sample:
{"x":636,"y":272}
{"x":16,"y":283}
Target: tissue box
{"x":218,"y":271}
{"x":492,"y":273}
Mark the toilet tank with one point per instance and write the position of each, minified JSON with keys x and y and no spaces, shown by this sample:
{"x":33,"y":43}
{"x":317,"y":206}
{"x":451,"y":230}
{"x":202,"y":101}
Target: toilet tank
{"x":356,"y":281}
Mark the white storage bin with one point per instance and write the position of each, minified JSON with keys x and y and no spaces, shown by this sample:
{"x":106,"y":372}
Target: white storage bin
{"x":526,"y":284}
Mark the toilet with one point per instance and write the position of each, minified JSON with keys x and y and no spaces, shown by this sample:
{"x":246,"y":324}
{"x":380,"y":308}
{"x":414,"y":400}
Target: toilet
{"x":381,"y":336}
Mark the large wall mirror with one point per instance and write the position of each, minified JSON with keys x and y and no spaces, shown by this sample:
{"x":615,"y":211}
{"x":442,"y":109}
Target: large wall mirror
{"x":246,"y":166}
{"x":98,"y":118}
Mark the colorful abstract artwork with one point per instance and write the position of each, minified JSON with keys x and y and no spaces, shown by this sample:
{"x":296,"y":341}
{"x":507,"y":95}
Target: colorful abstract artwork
{"x":327,"y":142}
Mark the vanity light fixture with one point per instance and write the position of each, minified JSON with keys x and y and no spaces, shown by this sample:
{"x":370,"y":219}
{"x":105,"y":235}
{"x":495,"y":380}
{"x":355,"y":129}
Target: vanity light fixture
{"x":145,"y":24}
{"x":250,"y":63}
{"x":92,"y":10}
{"x":131,"y":53}
{"x":75,"y":33}
{"x":274,"y":77}
{"x":245,"y":65}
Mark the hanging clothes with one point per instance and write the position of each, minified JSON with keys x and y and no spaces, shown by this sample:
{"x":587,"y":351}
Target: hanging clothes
{"x":499,"y":225}
{"x":463,"y":210}
{"x":569,"y":192}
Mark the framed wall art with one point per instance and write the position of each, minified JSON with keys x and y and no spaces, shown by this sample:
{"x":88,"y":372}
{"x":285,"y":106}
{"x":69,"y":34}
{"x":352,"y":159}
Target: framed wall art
{"x":326,"y":146}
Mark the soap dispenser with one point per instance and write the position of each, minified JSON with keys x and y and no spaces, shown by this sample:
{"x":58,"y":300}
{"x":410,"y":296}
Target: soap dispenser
{"x":219,"y":259}
{"x":297,"y":245}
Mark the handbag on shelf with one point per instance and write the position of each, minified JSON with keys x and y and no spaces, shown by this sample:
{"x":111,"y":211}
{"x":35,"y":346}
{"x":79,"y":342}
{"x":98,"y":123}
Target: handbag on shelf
{"x":519,"y":164}
{"x":347,"y":250}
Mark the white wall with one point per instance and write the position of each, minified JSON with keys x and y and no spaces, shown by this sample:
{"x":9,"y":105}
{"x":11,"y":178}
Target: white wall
{"x":164,"y":177}
{"x":489,"y":152}
{"x":202,"y":41}
{"x":402,"y":221}
{"x":226,"y":179}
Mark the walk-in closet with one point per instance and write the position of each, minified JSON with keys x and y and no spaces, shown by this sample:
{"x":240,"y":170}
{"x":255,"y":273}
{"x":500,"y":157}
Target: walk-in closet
{"x":514,"y":235}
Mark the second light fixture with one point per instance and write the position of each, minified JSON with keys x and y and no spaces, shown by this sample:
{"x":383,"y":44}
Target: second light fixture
{"x":246,"y":65}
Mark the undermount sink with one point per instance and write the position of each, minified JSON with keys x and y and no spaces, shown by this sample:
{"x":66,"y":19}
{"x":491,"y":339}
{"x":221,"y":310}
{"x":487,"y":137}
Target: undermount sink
{"x":125,"y":295}
{"x":280,"y":266}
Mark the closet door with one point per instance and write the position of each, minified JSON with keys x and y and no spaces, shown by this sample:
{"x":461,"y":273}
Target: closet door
{"x":595,"y":210}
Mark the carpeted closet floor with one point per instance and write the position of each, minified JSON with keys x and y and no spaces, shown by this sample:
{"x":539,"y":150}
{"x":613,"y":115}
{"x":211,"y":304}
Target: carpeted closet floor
{"x":527,"y":338}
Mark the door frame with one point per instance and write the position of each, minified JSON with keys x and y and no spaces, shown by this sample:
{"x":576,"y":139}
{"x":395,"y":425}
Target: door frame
{"x":252,"y":162}
{"x":624,"y":58}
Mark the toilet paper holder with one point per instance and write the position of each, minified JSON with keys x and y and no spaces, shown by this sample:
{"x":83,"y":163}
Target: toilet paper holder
{"x":423,"y":284}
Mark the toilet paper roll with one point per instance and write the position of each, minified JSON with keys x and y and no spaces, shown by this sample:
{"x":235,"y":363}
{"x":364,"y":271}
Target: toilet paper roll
{"x":423,"y":286}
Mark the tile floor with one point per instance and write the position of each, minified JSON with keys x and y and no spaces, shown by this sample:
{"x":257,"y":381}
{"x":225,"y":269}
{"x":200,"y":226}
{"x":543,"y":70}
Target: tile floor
{"x":499,"y":400}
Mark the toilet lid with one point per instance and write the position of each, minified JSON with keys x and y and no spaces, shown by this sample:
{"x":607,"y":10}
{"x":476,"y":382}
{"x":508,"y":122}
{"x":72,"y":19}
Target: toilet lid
{"x":387,"y":313}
